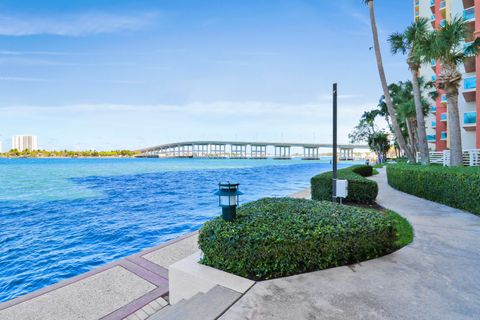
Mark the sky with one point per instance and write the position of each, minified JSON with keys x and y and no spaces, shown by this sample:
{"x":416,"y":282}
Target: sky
{"x":127,"y":74}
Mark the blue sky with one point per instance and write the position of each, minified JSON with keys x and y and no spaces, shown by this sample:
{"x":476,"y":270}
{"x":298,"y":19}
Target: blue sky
{"x":102,"y":74}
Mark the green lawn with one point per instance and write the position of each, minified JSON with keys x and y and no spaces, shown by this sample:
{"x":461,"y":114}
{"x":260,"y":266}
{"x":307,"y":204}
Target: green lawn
{"x":404,"y":229}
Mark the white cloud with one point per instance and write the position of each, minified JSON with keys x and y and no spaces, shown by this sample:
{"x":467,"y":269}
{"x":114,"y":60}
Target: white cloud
{"x":23,"y":79}
{"x":74,"y":24}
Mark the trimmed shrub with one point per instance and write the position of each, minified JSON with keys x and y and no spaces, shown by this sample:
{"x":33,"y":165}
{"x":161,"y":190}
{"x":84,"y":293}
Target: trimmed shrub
{"x":456,"y":187}
{"x":277,"y":237}
{"x":360,"y":190}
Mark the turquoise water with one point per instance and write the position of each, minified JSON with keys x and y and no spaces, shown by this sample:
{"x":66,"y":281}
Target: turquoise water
{"x":63,"y":217}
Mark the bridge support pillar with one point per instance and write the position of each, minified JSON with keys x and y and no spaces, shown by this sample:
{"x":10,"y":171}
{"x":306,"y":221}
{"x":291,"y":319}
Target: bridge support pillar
{"x":238,"y":151}
{"x":282,"y":152}
{"x":311,"y":153}
{"x":258,"y":151}
{"x":218,"y":150}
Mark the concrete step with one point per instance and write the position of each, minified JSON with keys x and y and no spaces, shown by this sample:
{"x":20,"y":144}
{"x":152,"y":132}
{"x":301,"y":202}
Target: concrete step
{"x":202,"y":306}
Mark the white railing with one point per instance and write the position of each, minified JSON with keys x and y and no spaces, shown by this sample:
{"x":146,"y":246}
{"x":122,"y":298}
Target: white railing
{"x":470,"y":157}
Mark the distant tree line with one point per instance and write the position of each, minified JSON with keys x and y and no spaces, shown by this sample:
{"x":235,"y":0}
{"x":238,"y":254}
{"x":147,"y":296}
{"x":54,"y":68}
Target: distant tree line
{"x":14,"y":153}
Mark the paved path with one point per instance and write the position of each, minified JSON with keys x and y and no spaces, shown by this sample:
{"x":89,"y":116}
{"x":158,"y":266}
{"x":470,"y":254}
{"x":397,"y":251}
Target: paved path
{"x":436,"y":277}
{"x":132,"y":288}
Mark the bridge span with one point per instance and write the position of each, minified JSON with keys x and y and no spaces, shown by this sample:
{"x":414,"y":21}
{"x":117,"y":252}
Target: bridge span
{"x":243,"y":150}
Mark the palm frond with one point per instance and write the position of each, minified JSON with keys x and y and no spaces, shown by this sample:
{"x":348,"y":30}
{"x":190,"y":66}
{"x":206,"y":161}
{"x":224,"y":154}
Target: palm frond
{"x":398,"y":43}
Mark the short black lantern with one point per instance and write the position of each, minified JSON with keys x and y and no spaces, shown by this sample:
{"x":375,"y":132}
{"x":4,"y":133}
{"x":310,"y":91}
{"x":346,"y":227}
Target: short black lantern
{"x":228,"y":198}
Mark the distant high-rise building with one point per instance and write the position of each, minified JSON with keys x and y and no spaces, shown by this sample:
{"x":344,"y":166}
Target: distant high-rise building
{"x":24,"y":142}
{"x":439,"y":12}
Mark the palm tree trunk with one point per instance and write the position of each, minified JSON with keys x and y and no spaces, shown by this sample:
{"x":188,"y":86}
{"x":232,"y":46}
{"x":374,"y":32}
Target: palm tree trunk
{"x":386,"y":93}
{"x":454,"y":132}
{"x":421,"y":130}
{"x":411,"y":134}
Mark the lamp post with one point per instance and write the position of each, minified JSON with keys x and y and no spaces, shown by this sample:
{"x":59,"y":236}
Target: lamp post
{"x":334,"y":148}
{"x":228,"y":198}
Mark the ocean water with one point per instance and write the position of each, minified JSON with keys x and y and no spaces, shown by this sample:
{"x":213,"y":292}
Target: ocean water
{"x":63,"y":217}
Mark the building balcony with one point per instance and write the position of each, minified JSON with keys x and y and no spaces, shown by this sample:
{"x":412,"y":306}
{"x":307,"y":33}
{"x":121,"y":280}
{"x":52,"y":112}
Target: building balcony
{"x":433,"y":63}
{"x":470,"y":89}
{"x":469,"y":14}
{"x":444,"y":99}
{"x":434,"y":124}
{"x":431,"y":138}
{"x":444,"y":135}
{"x":443,"y":23}
{"x":443,"y":117}
{"x":443,"y":5}
{"x":469,"y":17}
{"x":468,"y":3}
{"x":434,"y":78}
{"x":469,"y":62}
{"x":470,"y":65}
{"x":433,"y":109}
{"x":470,"y":121}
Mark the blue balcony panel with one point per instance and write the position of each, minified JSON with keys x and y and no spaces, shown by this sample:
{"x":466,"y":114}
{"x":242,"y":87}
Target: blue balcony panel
{"x":470,"y":83}
{"x":469,"y":14}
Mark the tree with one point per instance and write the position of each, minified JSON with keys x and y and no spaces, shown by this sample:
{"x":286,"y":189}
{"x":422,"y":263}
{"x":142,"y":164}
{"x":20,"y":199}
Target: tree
{"x":367,"y":130}
{"x":403,"y":99}
{"x":412,"y":43}
{"x":383,"y":80}
{"x":380,"y":143}
{"x":446,"y":45}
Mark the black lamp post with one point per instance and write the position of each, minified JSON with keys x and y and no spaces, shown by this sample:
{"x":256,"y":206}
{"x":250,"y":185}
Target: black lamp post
{"x":228,"y":198}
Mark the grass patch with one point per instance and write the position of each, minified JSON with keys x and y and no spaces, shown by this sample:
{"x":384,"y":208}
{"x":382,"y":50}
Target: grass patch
{"x":403,"y":229}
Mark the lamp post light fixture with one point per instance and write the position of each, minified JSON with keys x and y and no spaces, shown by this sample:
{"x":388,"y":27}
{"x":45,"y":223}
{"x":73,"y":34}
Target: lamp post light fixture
{"x":228,"y":198}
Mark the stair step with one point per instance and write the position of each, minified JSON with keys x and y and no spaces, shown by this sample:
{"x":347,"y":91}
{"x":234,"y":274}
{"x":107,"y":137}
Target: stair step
{"x":202,"y":306}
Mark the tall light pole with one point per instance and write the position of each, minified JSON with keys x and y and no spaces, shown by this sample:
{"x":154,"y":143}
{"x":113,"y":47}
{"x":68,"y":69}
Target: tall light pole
{"x":334,"y":153}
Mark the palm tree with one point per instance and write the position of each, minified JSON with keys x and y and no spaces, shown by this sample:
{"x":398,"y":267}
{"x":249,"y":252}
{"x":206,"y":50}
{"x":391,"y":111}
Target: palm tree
{"x":383,"y":80}
{"x":412,"y":42}
{"x":446,"y":45}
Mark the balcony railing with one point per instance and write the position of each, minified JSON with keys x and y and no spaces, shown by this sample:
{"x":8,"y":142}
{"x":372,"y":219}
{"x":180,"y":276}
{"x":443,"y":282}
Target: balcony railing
{"x":443,"y":23}
{"x":470,"y":121}
{"x":433,"y":63}
{"x":442,"y":5}
{"x":469,"y":89}
{"x":470,"y":118}
{"x":444,"y":135}
{"x":434,"y":124}
{"x":470,"y":83}
{"x":469,"y":14}
{"x":432,"y":3}
{"x":432,"y":18}
{"x":443,"y":117}
{"x":433,"y":109}
{"x":434,"y":78}
{"x":431,"y":138}
{"x":444,"y":98}
{"x":470,"y":157}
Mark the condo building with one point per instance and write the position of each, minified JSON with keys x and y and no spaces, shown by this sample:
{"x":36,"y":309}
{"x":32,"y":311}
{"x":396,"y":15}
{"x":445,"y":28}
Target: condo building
{"x":22,"y":143}
{"x":439,"y":12}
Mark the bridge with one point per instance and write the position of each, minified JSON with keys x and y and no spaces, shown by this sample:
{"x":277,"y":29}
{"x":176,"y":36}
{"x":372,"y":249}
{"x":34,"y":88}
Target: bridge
{"x":243,"y":150}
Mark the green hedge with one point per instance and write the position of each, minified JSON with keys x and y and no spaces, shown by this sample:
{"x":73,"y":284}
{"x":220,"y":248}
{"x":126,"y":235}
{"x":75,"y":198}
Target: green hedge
{"x":360,"y":190}
{"x":276,"y":237}
{"x":455,"y":187}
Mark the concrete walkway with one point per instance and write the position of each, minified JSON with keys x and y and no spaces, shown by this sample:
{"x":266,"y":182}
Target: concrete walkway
{"x":132,"y":288}
{"x":436,"y":277}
